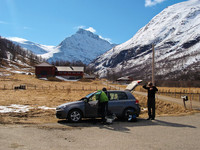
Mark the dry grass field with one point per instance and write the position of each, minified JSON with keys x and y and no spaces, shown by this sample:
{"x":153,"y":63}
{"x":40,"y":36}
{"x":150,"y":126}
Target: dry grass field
{"x":41,"y":95}
{"x":192,"y":93}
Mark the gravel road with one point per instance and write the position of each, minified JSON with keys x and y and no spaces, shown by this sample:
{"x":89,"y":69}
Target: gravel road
{"x":164,"y":133}
{"x":189,"y":104}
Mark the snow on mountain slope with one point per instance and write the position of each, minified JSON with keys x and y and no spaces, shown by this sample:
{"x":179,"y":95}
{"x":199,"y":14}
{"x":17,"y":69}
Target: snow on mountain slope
{"x":84,"y":46}
{"x":38,"y":49}
{"x":175,"y":32}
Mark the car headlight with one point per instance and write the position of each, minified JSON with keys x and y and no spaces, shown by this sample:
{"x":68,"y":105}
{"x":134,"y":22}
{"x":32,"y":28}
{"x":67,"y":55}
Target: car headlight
{"x":60,"y":108}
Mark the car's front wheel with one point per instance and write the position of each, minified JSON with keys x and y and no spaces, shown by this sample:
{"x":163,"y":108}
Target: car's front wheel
{"x":75,"y":115}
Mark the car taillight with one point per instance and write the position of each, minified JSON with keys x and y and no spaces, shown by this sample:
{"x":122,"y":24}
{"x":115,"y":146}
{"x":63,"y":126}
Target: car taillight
{"x":136,"y":101}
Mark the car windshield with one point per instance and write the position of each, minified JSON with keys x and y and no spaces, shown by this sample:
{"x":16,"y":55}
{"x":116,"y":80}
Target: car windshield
{"x":88,"y":96}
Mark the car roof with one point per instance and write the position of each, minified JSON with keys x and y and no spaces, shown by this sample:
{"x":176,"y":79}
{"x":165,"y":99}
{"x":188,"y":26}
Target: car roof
{"x":118,"y":91}
{"x":129,"y":94}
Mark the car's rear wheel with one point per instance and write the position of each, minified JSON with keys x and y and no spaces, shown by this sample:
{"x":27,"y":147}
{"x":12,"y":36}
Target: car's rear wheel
{"x":130,"y":114}
{"x":75,"y":115}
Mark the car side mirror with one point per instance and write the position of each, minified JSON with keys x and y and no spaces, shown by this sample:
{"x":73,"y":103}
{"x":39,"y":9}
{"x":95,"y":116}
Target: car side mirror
{"x":85,"y":99}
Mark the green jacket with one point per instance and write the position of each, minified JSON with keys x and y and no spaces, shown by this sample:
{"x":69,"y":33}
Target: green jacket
{"x":101,"y":96}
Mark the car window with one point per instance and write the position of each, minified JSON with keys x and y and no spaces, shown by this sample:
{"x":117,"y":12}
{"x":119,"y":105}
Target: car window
{"x":122,"y":96}
{"x":113,"y":96}
{"x":117,"y":96}
{"x":92,"y":98}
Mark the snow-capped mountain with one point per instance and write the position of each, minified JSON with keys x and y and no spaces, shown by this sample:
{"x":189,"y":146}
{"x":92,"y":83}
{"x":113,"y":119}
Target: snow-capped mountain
{"x":175,"y":32}
{"x":83,"y":46}
{"x":36,"y":48}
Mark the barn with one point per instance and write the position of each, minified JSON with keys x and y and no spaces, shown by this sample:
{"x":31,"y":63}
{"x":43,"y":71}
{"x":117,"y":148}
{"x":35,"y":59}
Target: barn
{"x":45,"y":70}
{"x":69,"y":72}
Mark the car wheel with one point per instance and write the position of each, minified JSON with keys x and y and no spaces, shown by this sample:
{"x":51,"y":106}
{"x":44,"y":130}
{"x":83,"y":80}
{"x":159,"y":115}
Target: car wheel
{"x":75,"y":115}
{"x":129,"y":115}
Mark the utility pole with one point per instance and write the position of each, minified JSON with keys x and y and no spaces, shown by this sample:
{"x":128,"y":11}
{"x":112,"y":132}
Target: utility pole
{"x":153,"y":65}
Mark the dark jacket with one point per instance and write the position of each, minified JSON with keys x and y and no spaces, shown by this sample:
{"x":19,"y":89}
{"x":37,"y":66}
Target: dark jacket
{"x":151,"y":91}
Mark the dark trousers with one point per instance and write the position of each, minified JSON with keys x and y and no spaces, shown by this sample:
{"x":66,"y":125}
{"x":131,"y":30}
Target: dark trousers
{"x":151,"y":107}
{"x":103,"y":110}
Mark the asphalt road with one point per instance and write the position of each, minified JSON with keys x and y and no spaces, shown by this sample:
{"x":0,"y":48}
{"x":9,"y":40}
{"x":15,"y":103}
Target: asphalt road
{"x":164,"y":133}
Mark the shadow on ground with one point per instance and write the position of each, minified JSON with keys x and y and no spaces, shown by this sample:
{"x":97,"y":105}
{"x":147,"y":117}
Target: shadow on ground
{"x":121,"y":125}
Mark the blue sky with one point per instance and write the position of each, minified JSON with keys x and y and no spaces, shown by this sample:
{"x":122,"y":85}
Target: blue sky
{"x":49,"y":22}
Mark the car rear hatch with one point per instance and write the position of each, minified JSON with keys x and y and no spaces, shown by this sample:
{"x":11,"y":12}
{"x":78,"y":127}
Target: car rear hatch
{"x":133,"y":85}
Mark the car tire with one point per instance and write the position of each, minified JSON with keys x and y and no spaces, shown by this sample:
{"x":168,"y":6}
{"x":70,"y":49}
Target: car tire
{"x":75,"y":115}
{"x":126,"y":115}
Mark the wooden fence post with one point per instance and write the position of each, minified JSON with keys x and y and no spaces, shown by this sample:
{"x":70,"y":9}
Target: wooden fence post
{"x":184,"y":103}
{"x":175,"y":93}
{"x":199,"y":97}
{"x":191,"y":100}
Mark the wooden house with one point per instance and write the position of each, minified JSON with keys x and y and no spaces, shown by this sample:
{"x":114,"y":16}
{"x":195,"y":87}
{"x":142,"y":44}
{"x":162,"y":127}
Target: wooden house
{"x":69,"y":72}
{"x":45,"y":70}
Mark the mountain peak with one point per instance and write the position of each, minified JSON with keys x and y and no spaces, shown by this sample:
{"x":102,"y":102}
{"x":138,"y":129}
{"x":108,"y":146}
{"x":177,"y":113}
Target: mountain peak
{"x":82,"y":31}
{"x":83,"y":46}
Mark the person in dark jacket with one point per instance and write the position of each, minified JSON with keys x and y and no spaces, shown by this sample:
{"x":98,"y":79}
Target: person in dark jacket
{"x":151,"y":100}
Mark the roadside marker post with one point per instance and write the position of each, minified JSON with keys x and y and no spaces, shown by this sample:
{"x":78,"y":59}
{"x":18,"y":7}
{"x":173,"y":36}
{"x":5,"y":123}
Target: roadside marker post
{"x":185,"y":98}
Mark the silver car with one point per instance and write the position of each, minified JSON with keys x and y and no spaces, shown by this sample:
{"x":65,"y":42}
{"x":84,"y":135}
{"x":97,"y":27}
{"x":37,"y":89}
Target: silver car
{"x":121,"y":103}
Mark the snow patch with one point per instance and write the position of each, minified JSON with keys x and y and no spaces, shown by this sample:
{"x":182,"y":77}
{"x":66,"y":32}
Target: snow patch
{"x":15,"y":108}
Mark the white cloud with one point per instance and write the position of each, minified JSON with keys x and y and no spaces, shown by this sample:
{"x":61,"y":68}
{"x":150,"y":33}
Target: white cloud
{"x":149,"y":3}
{"x":91,"y":29}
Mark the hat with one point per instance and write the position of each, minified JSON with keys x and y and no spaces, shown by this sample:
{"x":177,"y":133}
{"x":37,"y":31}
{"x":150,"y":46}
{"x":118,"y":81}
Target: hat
{"x":104,"y":89}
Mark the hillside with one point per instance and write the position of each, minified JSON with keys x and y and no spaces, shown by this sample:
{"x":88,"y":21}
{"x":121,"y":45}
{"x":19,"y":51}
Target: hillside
{"x":175,"y":32}
{"x":14,"y":57}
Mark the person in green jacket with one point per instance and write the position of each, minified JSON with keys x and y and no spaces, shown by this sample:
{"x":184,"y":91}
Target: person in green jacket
{"x":102,"y":97}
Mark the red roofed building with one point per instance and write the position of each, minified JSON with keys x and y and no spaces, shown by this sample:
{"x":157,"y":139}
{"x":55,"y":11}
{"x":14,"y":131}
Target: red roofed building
{"x":69,"y":72}
{"x":45,"y":70}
